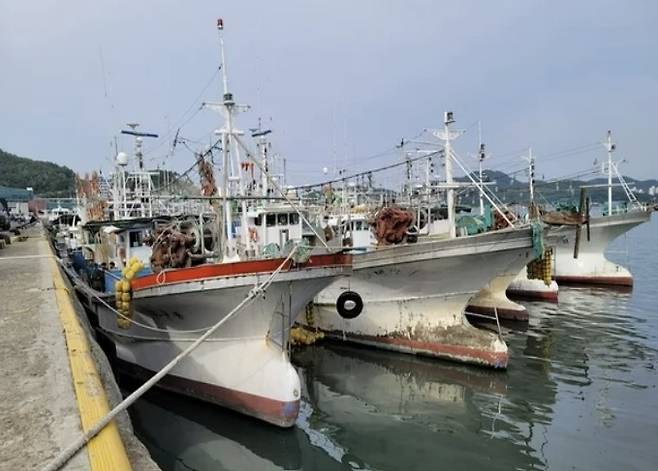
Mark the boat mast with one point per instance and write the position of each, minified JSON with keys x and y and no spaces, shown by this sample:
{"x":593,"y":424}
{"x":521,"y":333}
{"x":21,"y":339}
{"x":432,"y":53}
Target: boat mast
{"x":230,"y":167}
{"x":481,"y":156}
{"x":532,"y":208}
{"x":447,"y":135}
{"x":263,"y":146}
{"x":531,"y":174}
{"x":142,"y":179}
{"x":611,"y":147}
{"x":227,"y":102}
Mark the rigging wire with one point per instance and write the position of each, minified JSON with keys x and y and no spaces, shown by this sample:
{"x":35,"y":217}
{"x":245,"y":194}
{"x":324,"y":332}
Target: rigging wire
{"x":198,"y":156}
{"x":368,"y":172}
{"x":183,"y":121}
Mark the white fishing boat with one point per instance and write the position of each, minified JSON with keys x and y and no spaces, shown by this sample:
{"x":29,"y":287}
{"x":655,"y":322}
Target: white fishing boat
{"x":244,"y":366}
{"x":590,"y":265}
{"x":412,"y":296}
{"x":580,"y":256}
{"x":183,"y":275}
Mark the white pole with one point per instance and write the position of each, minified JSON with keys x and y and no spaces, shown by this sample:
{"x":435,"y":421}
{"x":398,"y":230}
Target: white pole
{"x":531,"y":175}
{"x":481,"y":160}
{"x":611,"y":148}
{"x":220,"y":28}
{"x":481,"y":200}
{"x":449,"y":178}
{"x":227,"y":235}
{"x":265,"y":166}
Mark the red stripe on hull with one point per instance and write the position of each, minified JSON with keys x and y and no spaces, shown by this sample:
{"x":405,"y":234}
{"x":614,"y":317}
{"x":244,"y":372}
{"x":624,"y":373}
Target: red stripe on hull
{"x":503,"y":313}
{"x":550,"y":296}
{"x":282,"y":414}
{"x":476,"y":356}
{"x":247,"y":267}
{"x":596,"y":280}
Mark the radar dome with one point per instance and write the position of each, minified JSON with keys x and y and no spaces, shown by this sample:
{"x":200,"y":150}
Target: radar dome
{"x":122,"y":158}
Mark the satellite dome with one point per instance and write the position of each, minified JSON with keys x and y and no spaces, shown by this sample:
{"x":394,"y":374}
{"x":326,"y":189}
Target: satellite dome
{"x":122,"y":158}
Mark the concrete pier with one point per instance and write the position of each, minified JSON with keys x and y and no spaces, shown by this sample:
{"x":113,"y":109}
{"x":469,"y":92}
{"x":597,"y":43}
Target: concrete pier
{"x":54,"y":379}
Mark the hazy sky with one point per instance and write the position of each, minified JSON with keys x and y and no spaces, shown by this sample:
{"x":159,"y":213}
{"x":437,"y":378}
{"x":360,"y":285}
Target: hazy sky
{"x":336,"y":80}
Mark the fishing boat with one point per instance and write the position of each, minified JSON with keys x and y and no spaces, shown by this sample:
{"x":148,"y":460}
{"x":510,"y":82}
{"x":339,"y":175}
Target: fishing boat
{"x":580,"y":257}
{"x":412,"y":295}
{"x":183,"y":274}
{"x":589,"y":264}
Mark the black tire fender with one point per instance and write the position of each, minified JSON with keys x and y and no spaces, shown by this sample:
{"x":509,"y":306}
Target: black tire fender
{"x":341,"y":305}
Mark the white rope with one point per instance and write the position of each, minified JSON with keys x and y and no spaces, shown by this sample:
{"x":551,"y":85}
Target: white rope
{"x":66,"y":454}
{"x":500,"y":334}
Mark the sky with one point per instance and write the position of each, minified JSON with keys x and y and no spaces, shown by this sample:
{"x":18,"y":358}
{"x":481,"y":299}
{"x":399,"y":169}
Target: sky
{"x":339,"y":82}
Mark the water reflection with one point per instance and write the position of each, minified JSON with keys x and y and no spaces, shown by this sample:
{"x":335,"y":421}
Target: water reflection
{"x":581,"y":392}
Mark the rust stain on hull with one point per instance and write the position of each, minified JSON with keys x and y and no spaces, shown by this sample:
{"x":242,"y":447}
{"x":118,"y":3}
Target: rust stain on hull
{"x":449,"y":345}
{"x":550,"y":296}
{"x":626,"y":281}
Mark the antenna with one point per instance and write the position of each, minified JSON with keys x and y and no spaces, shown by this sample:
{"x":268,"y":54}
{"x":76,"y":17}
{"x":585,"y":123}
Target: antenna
{"x":220,"y":32}
{"x":138,"y":141}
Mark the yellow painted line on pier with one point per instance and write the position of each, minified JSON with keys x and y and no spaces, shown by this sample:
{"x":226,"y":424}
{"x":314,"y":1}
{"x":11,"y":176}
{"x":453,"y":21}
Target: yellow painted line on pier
{"x":106,"y":450}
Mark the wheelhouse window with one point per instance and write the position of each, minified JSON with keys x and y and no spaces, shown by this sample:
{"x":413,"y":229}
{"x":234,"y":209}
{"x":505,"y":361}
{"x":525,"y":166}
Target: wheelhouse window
{"x":282,"y":219}
{"x":259,"y":220}
{"x":294,"y":219}
{"x":135,"y":238}
{"x":270,"y":220}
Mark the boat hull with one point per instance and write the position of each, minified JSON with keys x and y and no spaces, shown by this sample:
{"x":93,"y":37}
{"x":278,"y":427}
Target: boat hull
{"x":532,"y":290}
{"x":232,"y":388}
{"x":492,"y":300}
{"x":414,"y":297}
{"x":592,"y":267}
{"x":243,"y":365}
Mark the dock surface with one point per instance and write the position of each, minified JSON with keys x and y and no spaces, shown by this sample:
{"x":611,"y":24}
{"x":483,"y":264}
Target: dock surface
{"x":39,"y":410}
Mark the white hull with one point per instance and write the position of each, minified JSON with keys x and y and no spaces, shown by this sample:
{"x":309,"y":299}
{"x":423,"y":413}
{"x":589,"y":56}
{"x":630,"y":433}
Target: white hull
{"x":591,"y":266}
{"x":244,"y":365}
{"x":492,"y":300}
{"x":414,"y":296}
{"x":536,"y":290}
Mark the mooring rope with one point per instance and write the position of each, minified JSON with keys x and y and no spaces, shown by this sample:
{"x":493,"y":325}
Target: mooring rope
{"x":70,"y":451}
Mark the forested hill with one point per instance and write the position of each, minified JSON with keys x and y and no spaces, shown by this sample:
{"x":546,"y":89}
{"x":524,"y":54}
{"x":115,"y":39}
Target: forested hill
{"x":46,"y":178}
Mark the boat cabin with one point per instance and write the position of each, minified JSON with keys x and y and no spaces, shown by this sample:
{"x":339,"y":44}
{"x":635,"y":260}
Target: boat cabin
{"x":273,"y":225}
